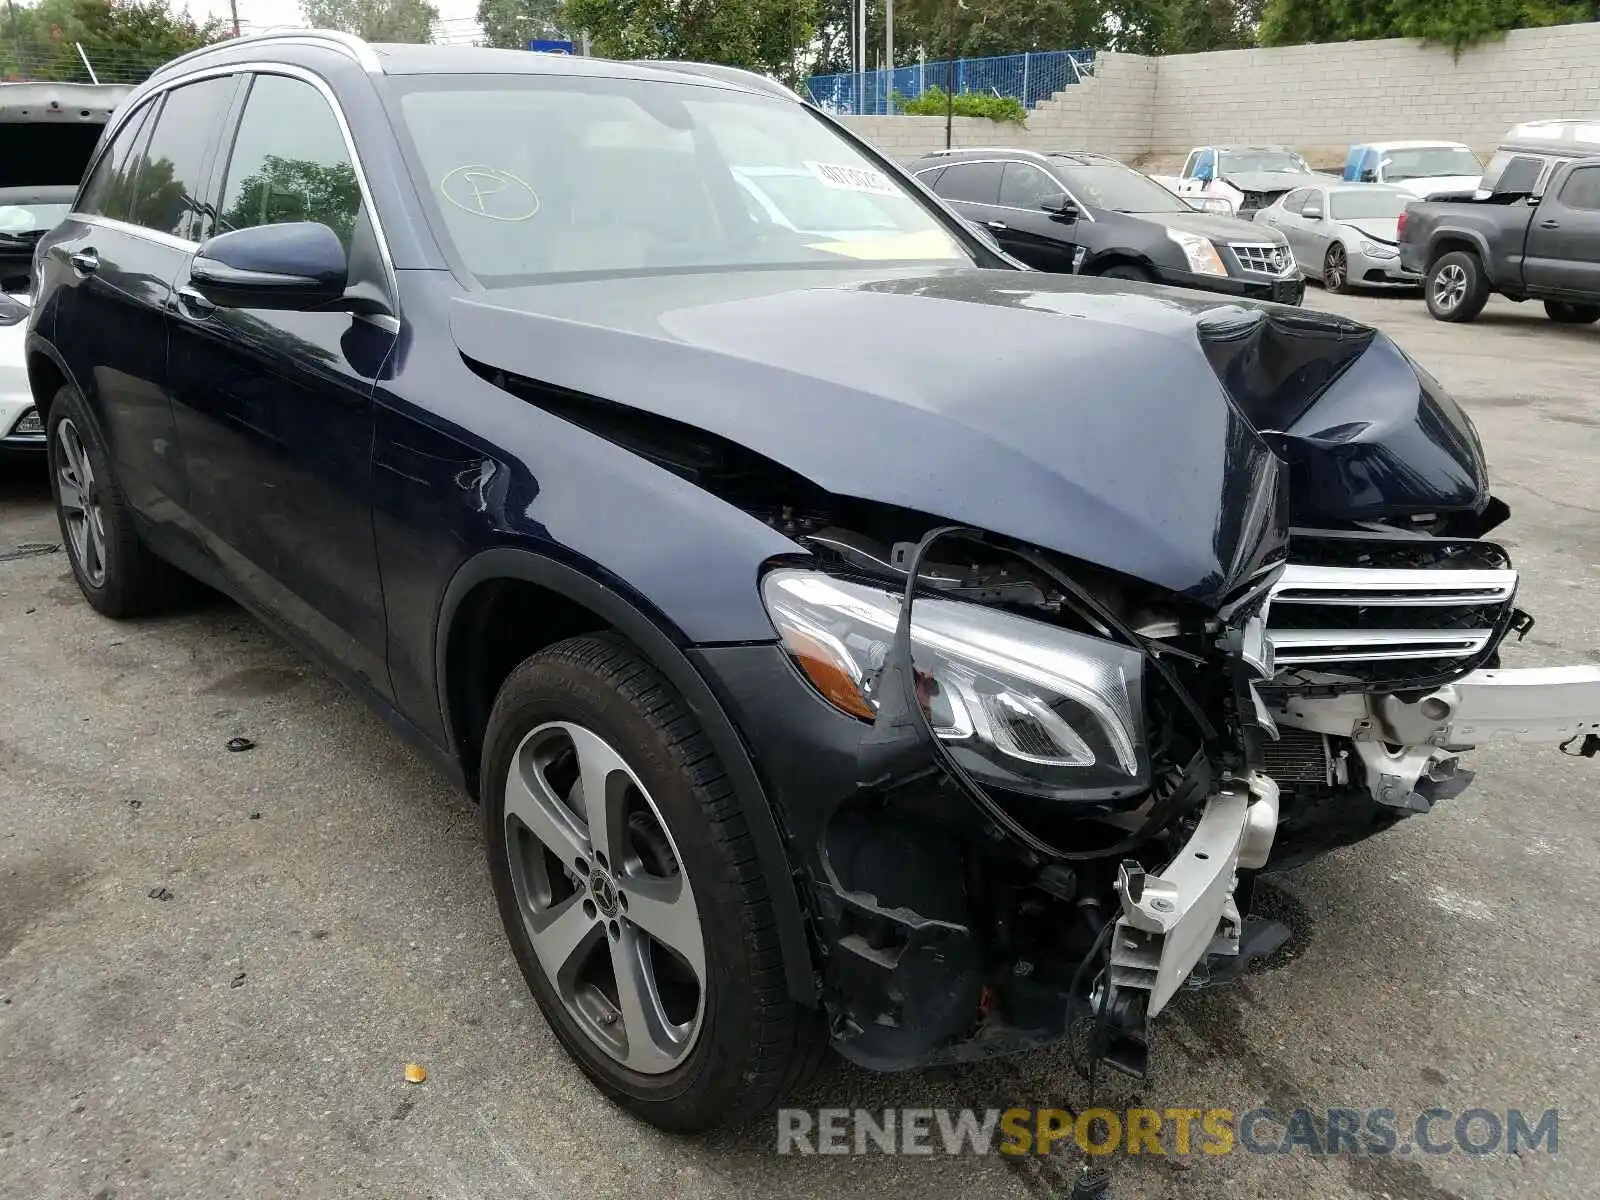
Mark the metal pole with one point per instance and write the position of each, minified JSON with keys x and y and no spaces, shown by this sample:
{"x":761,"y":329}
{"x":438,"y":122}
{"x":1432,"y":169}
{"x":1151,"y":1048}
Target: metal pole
{"x":1024,"y":79}
{"x":888,"y":50}
{"x":233,"y":6}
{"x":93,"y":78}
{"x":861,"y":40}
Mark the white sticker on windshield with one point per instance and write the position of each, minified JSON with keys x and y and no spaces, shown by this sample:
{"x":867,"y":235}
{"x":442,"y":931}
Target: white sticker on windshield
{"x":852,"y":179}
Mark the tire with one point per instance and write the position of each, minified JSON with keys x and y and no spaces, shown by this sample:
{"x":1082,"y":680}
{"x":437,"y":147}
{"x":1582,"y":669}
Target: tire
{"x":116,"y":572}
{"x":1127,"y":271}
{"x":1564,"y":313}
{"x":1456,"y":288}
{"x":1336,"y":270}
{"x":735,"y":1041}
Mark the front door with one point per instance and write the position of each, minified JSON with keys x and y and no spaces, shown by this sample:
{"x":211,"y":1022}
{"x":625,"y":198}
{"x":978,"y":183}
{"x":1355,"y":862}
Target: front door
{"x":1043,"y":239}
{"x":1563,"y":250}
{"x":274,"y":408}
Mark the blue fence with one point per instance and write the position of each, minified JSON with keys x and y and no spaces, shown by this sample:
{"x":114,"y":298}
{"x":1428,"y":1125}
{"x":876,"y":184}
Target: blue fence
{"x":1030,"y":78}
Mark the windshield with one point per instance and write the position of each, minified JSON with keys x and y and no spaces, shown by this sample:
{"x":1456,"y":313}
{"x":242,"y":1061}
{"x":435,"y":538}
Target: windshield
{"x":1359,"y":204}
{"x":1429,"y":162}
{"x":1264,"y":160}
{"x":22,"y":219}
{"x":536,"y":175}
{"x":1119,"y":188}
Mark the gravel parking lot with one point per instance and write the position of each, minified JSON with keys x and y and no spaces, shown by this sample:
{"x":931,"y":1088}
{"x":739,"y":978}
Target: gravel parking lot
{"x":214,"y":966}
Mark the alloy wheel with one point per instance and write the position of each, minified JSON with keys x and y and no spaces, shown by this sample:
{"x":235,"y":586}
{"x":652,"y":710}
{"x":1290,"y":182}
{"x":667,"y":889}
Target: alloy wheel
{"x":1335,"y":270}
{"x":603,"y":898}
{"x":80,"y":504}
{"x":1449,"y":287}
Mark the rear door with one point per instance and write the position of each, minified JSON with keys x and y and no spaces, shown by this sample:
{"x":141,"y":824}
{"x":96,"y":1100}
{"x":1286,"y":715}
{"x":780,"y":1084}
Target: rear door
{"x":1285,"y":217}
{"x":275,"y":408}
{"x":973,"y":190}
{"x":133,"y":229}
{"x":1563,"y":248}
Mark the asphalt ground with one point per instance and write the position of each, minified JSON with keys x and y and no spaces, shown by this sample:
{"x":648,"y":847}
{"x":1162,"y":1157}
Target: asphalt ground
{"x":330,"y":921}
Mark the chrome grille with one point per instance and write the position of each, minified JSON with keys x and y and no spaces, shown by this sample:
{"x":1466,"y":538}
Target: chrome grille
{"x":1388,"y":625}
{"x":1264,"y":258}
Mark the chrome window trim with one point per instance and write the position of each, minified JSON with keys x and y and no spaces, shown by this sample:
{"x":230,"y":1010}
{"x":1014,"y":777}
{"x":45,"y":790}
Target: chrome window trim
{"x":1082,"y":208}
{"x":151,"y":235}
{"x":254,"y":68}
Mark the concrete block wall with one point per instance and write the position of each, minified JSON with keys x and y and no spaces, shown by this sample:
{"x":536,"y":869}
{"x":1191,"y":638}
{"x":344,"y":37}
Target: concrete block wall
{"x":1321,"y":98}
{"x":1316,"y":98}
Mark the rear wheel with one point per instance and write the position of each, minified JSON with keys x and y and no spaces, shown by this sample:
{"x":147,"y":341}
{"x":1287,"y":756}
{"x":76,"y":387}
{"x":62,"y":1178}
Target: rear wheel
{"x":1456,"y":287}
{"x":1564,"y":313}
{"x":1336,"y":269}
{"x":631,"y":892}
{"x":116,"y":572}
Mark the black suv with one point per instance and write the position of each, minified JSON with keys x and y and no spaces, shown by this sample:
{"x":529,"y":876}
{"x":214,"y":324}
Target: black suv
{"x":844,"y":633}
{"x":1091,"y":215}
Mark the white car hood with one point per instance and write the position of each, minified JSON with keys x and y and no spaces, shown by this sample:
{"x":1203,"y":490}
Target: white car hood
{"x":1436,"y":184}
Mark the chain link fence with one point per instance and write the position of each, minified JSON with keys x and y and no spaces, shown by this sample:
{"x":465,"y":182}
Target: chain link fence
{"x":68,"y":62}
{"x":1028,"y":78}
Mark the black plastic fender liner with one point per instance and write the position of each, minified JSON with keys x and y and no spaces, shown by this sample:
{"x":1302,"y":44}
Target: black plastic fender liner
{"x":513,"y":563}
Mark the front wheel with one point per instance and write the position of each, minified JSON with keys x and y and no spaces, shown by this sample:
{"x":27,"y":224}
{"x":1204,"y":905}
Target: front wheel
{"x":1456,"y":287}
{"x":1336,"y":270}
{"x":1563,"y":313}
{"x":631,"y":892}
{"x":1127,"y":271}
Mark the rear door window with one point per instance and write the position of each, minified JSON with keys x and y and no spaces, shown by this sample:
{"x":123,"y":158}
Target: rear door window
{"x":975,"y":183}
{"x":169,"y":193}
{"x":110,"y":187}
{"x":1295,"y":201}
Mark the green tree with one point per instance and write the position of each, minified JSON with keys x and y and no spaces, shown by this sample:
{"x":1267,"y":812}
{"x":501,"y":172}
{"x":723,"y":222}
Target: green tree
{"x":760,"y":35}
{"x":512,"y":24}
{"x":295,"y":189}
{"x":375,"y":20}
{"x":1455,"y":23}
{"x":124,"y":39}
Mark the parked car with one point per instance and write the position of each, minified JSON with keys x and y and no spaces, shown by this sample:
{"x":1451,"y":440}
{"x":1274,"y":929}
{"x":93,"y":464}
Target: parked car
{"x":1346,"y":235}
{"x":849,"y":640}
{"x":1531,"y":152}
{"x":1426,"y":170}
{"x":47,"y":132}
{"x":1247,"y":178}
{"x":1524,"y":247}
{"x":1087,"y":213}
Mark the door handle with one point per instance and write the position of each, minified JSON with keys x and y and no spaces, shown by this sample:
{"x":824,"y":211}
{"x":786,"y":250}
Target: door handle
{"x":192,"y":304}
{"x":1550,"y":224}
{"x":85,"y":262}
{"x":1000,"y":225}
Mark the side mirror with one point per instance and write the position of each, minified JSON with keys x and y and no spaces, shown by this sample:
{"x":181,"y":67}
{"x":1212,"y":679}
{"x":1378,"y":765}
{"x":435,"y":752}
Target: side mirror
{"x":1204,"y":174}
{"x":1312,"y":211}
{"x":1368,"y":176}
{"x":1058,"y":204}
{"x":294,"y":266}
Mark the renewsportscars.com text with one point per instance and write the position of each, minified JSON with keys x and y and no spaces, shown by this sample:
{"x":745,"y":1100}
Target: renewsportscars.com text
{"x":1175,"y":1131}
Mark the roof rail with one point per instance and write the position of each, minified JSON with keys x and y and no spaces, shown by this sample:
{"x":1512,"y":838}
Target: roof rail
{"x":985,"y":150}
{"x":346,"y":43}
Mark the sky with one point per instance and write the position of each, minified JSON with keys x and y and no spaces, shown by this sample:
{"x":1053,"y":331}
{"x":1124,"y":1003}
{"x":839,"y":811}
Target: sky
{"x":456,"y":17}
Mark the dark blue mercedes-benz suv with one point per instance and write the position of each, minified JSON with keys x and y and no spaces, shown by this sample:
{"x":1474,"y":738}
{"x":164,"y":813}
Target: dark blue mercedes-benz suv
{"x":851,"y":638}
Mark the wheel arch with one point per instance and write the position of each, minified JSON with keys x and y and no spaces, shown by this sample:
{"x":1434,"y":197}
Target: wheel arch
{"x":575,"y":593}
{"x":1450,"y":240}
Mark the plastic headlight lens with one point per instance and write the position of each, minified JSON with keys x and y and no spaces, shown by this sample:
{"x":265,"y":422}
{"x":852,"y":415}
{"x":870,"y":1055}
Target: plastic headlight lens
{"x":1022,"y":704}
{"x":1201,"y":253}
{"x":1377,"y":249}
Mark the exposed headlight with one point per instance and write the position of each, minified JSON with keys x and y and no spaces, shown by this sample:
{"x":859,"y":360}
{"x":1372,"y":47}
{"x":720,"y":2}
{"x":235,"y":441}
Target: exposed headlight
{"x":1202,"y":255}
{"x":1378,"y":250}
{"x":30,"y":423}
{"x":1021,"y":704}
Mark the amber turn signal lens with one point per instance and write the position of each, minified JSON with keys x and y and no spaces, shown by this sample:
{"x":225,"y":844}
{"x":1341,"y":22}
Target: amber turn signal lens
{"x":827,"y":675}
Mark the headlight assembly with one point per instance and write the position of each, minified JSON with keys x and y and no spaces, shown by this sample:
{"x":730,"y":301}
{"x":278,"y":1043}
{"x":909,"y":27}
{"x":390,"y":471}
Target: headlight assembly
{"x":1021,"y":704}
{"x":1200,"y":251}
{"x":1378,"y":249}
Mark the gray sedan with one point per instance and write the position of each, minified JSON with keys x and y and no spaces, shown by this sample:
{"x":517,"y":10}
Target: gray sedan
{"x":1346,"y":235}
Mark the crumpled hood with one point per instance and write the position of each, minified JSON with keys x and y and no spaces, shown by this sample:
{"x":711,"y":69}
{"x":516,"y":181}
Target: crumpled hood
{"x":1268,"y":181}
{"x":1440,"y":185}
{"x":1082,"y":416}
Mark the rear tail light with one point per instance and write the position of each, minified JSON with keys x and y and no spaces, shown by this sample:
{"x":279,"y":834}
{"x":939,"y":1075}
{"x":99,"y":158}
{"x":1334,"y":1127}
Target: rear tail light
{"x":1400,"y":226}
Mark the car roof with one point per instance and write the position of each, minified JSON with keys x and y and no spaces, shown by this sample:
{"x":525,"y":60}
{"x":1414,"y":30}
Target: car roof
{"x":1081,"y":157}
{"x":1414,"y":145}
